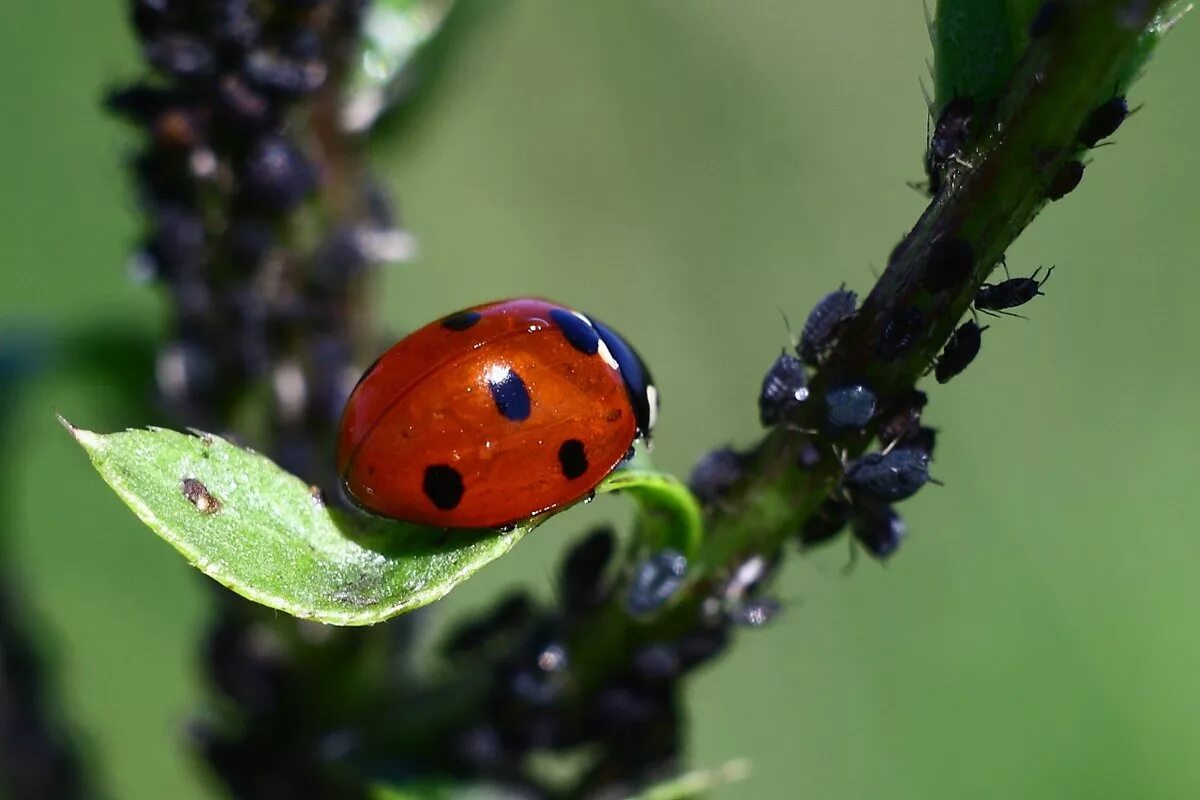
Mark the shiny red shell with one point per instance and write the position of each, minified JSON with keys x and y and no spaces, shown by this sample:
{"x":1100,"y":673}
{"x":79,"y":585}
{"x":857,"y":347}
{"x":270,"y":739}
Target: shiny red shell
{"x":493,"y":415}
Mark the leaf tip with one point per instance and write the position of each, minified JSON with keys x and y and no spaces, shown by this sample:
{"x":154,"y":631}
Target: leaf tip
{"x":89,"y":440}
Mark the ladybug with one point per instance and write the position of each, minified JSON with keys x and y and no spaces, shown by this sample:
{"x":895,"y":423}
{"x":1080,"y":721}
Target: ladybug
{"x":493,"y":415}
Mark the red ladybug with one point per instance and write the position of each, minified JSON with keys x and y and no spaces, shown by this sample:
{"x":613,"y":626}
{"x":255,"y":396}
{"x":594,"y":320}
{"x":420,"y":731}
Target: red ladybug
{"x":493,"y":415}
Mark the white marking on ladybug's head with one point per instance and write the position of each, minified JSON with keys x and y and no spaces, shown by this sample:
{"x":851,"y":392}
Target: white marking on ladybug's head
{"x":601,"y":347}
{"x":607,"y":355}
{"x":652,"y":401}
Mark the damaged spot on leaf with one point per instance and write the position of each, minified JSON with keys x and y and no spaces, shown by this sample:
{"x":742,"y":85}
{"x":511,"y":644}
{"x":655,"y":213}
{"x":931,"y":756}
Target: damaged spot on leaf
{"x":199,"y":496}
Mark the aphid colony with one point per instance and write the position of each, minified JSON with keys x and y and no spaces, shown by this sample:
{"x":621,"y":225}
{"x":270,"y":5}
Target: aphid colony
{"x":871,"y":483}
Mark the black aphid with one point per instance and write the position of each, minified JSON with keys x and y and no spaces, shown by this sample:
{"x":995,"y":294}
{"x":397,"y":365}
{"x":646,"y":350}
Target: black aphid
{"x":655,"y":580}
{"x":878,"y":528}
{"x":948,"y":138}
{"x":784,"y":388}
{"x":1010,"y":293}
{"x":824,"y":323}
{"x":960,"y":351}
{"x":825,"y":523}
{"x":901,"y":417}
{"x":1103,"y":121}
{"x":902,"y":329}
{"x":715,"y":473}
{"x":950,"y":263}
{"x":581,"y":576}
{"x":1065,"y":180}
{"x":888,"y":477}
{"x":849,"y":407}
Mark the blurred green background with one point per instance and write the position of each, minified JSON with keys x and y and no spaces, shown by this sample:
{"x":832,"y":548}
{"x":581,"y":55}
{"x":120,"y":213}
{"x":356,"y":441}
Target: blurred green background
{"x":683,"y":170}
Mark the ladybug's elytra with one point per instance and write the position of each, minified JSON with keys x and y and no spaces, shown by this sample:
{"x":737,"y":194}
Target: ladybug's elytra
{"x":493,"y":415}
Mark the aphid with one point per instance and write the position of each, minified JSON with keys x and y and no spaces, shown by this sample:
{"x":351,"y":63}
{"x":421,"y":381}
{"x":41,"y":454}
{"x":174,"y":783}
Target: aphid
{"x":747,"y":578}
{"x":239,"y":105}
{"x":715,"y":473}
{"x":784,"y":388}
{"x":878,"y":528}
{"x":849,"y":407}
{"x":655,"y":580}
{"x":493,"y":415}
{"x":657,"y":663}
{"x":824,"y":323}
{"x":700,"y":645}
{"x":755,"y":613}
{"x":581,"y":577}
{"x":825,"y":523}
{"x":950,"y":263}
{"x":960,"y":351}
{"x":1103,"y":121}
{"x":899,"y":333}
{"x":925,"y":440}
{"x":277,"y":175}
{"x":180,"y":55}
{"x":902,"y":417}
{"x":282,"y":76}
{"x":948,"y":138}
{"x":1065,"y":180}
{"x":890,"y":476}
{"x":1010,"y":293}
{"x":510,"y":616}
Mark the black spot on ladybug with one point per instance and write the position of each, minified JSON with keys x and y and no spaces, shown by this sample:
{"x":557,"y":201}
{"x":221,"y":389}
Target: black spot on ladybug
{"x":578,"y":332}
{"x":510,"y":394}
{"x":462,"y":320}
{"x":899,"y":332}
{"x":950,"y":263}
{"x":199,"y":496}
{"x":572,"y":459}
{"x":1065,"y":180}
{"x":960,"y":351}
{"x":443,"y":486}
{"x":824,"y":323}
{"x":1103,"y":121}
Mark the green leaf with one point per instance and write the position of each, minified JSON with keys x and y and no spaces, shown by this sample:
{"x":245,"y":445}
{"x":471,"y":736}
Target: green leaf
{"x":696,"y":783}
{"x":425,"y":790}
{"x":1135,"y":64}
{"x":263,"y":533}
{"x":975,"y":50}
{"x":670,"y":517}
{"x":394,"y":35}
